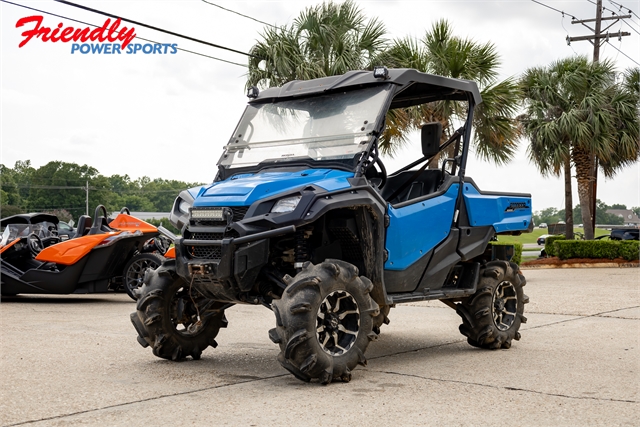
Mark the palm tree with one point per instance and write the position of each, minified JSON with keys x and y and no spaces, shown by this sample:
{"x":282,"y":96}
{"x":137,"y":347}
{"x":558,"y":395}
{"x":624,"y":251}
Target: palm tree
{"x":575,"y":111}
{"x":325,"y":40}
{"x":440,"y":52}
{"x":546,"y":101}
{"x":332,"y":39}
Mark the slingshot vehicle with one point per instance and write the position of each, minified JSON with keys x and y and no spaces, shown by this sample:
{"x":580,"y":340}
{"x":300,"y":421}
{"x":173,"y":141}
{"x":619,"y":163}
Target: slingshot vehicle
{"x":101,"y":256}
{"x":303,"y":219}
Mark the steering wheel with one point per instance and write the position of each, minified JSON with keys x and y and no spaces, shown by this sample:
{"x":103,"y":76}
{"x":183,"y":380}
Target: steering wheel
{"x":125,"y":210}
{"x":35,"y":244}
{"x":162,"y":244}
{"x":51,"y":240}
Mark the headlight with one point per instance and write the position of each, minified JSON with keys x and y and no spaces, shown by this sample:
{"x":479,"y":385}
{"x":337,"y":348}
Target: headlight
{"x":286,"y":205}
{"x":216,"y":214}
{"x":184,"y":207}
{"x":179,"y":215}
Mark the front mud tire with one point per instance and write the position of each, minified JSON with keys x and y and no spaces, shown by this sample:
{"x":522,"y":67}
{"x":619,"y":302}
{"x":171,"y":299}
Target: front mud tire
{"x":175,"y":320}
{"x":491,"y":317}
{"x":324,"y":322}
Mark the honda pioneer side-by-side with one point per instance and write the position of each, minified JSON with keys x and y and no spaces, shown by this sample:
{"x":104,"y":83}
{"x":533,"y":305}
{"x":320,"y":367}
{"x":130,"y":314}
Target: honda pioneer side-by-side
{"x":303,"y":219}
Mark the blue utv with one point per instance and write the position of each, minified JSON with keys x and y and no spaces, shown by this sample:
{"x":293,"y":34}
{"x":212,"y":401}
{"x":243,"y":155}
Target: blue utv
{"x":303,"y":219}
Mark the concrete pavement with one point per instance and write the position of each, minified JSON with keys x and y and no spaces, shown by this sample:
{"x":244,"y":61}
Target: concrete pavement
{"x":74,"y":360}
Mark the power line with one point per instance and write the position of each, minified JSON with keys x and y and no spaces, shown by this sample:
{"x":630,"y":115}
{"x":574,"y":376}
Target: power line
{"x":629,"y":25}
{"x":624,"y":7}
{"x":238,"y":13}
{"x":553,"y":8}
{"x":631,"y":59}
{"x":152,"y":27}
{"x":138,"y":37}
{"x":603,"y":7}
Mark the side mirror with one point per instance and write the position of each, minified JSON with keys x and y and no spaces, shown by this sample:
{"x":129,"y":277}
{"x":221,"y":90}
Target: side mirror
{"x":431,"y":134}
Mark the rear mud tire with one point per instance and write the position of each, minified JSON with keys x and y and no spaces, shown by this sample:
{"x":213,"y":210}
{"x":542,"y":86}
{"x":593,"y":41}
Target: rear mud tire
{"x":134,"y":271}
{"x":167,"y":319}
{"x":324,"y":322}
{"x":491,"y":317}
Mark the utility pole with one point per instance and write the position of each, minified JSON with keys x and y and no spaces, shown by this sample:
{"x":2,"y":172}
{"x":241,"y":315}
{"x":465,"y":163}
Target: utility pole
{"x":87,"y":198}
{"x":596,"y":40}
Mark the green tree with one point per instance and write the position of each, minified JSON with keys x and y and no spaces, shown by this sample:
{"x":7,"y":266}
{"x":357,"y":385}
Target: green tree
{"x":324,"y":40}
{"x":548,"y":216}
{"x":441,"y":52}
{"x":602,"y":217}
{"x":62,"y":185}
{"x":14,"y":187}
{"x":60,"y":188}
{"x":161,"y":192}
{"x":575,"y":110}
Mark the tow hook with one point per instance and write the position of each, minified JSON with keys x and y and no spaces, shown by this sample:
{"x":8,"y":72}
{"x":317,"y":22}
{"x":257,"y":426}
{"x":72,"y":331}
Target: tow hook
{"x":202,"y":269}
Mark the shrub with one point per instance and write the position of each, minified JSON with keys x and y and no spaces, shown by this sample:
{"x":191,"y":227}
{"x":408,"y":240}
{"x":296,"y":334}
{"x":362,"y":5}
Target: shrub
{"x":597,"y":249}
{"x":548,"y":245}
{"x":629,"y":250}
{"x":517,"y":250}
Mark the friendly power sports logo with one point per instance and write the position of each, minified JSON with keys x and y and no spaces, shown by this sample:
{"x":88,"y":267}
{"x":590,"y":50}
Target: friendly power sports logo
{"x":105,"y":36}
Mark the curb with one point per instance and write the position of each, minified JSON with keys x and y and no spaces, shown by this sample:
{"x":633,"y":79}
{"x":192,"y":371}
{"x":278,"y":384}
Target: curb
{"x":580,"y":265}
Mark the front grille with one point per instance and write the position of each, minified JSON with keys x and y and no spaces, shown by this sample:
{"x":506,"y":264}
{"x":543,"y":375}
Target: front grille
{"x":209,"y":223}
{"x":203,"y":236}
{"x":239,"y":212}
{"x":213,"y":252}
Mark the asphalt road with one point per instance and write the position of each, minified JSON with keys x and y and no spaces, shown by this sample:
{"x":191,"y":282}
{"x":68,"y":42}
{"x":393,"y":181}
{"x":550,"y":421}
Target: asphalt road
{"x":74,"y":360}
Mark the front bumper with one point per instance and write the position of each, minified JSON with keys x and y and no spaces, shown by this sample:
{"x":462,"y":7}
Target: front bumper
{"x":234,"y":271}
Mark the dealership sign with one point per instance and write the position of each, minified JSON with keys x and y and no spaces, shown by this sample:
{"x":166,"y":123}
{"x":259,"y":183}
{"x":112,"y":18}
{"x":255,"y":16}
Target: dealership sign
{"x":105,"y":38}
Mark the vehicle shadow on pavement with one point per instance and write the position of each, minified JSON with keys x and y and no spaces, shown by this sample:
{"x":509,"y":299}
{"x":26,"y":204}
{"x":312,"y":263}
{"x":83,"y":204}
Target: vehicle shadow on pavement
{"x":239,"y":362}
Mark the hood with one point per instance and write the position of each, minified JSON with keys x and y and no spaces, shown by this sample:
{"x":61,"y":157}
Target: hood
{"x":243,"y":190}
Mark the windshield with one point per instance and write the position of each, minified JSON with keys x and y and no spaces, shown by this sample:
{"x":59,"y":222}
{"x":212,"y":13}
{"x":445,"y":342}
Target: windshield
{"x":14,"y":231}
{"x":326,"y":127}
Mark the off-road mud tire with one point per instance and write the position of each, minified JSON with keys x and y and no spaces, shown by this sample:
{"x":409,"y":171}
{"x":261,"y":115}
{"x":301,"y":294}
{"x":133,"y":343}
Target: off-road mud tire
{"x":381,"y":319}
{"x":304,"y":314}
{"x":133,"y":273}
{"x":492,"y":316}
{"x":167,"y":320}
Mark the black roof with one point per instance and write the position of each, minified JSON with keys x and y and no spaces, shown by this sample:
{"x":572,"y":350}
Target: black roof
{"x":29,"y":218}
{"x":417,"y":87}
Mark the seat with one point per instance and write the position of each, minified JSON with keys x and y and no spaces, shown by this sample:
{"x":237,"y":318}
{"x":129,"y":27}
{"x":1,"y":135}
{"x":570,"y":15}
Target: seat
{"x":415,"y":190}
{"x":84,"y":225}
{"x":100,"y":227}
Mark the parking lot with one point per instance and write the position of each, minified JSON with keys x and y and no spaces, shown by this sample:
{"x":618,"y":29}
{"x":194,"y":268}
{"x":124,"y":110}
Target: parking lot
{"x":74,"y":360}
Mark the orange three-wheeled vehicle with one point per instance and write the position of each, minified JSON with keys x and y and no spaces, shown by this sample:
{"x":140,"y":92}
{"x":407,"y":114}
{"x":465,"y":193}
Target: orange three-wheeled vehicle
{"x":103,"y":255}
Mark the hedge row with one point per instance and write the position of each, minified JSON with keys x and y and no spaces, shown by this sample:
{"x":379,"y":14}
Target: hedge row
{"x":627,"y":249}
{"x":517,"y":250}
{"x":548,"y":245}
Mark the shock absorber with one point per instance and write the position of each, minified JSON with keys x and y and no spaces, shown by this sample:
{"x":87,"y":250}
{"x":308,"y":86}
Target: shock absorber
{"x":301,"y":251}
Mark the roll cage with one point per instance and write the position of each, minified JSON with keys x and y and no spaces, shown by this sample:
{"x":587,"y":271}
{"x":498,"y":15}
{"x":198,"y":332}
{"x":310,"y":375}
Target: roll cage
{"x":408,"y":88}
